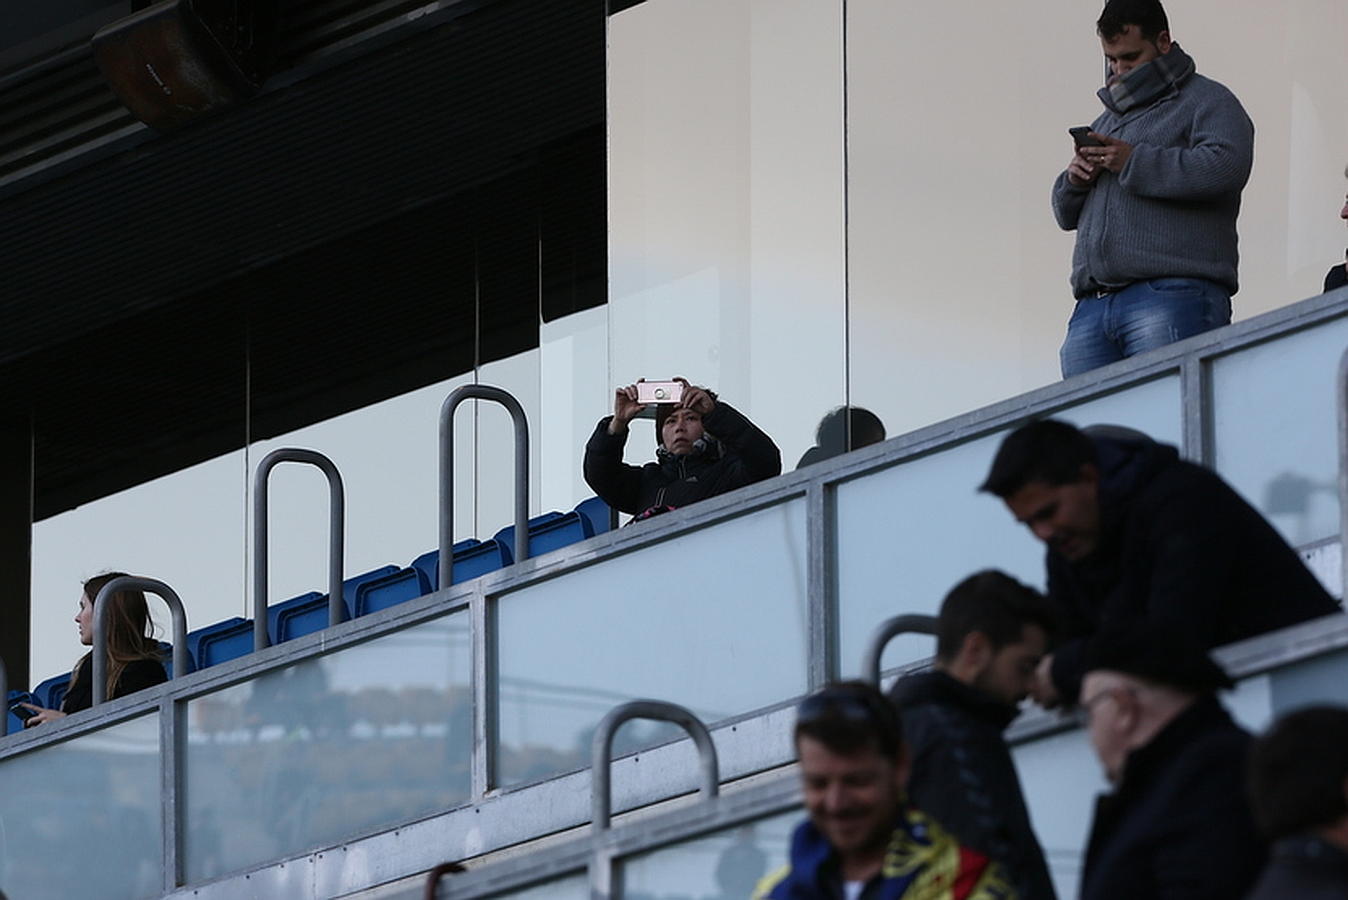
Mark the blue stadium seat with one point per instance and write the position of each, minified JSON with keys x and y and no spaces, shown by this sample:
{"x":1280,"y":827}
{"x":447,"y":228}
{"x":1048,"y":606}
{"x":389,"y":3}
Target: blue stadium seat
{"x":221,"y":642}
{"x":308,"y":613}
{"x":596,"y":512}
{"x":472,"y":559}
{"x":549,"y":531}
{"x":51,"y":692}
{"x":390,"y":590}
{"x":167,"y":650}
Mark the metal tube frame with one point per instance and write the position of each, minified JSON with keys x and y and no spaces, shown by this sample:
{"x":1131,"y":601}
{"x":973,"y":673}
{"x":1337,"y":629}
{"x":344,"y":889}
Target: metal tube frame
{"x":1190,"y":360}
{"x":521,"y":423}
{"x":336,"y":535}
{"x":910,"y":623}
{"x":181,"y":661}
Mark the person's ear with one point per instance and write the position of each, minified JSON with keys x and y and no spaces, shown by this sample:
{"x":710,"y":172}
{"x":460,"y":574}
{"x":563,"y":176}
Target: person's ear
{"x":975,"y":650}
{"x":1089,"y":473}
{"x":1163,"y":42}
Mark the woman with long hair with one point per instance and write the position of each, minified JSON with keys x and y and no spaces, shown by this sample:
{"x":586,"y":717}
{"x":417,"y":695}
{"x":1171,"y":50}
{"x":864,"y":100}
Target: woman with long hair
{"x":134,"y":659}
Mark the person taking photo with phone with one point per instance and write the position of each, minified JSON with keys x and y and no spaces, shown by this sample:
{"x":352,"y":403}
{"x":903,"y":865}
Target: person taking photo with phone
{"x":705,"y":447}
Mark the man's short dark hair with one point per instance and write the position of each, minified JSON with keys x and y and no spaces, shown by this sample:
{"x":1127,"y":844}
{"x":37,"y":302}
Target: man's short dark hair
{"x":1046,"y":450}
{"x":1298,"y":770}
{"x":850,"y":716}
{"x":993,"y":604}
{"x":1147,"y":15}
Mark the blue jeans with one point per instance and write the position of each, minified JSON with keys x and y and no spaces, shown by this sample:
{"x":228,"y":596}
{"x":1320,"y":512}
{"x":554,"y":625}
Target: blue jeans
{"x":1143,"y":316}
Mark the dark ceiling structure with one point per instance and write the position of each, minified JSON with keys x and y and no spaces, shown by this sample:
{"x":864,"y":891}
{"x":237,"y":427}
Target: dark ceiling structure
{"x":417,"y":186}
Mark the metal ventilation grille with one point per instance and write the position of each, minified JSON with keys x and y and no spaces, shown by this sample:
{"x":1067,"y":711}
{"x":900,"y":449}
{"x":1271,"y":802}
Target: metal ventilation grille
{"x":61,"y":105}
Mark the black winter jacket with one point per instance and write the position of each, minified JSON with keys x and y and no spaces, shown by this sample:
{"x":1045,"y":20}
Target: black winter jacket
{"x":740,"y":455}
{"x":1178,"y":826}
{"x":1179,"y":549}
{"x":963,"y":775}
{"x":1304,"y":868}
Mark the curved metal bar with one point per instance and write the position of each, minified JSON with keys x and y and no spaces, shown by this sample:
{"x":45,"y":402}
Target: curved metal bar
{"x":336,"y":538}
{"x":909,"y":623}
{"x":602,"y":750}
{"x":481,"y":392}
{"x":182,"y":663}
{"x":1341,"y":395}
{"x":434,"y":875}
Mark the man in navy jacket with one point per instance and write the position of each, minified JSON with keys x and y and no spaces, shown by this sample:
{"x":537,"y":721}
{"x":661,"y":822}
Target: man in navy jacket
{"x":1134,"y":533}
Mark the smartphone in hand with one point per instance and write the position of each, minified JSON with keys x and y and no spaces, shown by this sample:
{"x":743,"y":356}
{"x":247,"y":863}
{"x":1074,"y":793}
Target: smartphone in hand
{"x":1081,"y":136}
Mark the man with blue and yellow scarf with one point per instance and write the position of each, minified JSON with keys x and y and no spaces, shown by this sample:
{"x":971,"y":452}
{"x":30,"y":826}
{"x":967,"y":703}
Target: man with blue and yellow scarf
{"x":862,"y":840}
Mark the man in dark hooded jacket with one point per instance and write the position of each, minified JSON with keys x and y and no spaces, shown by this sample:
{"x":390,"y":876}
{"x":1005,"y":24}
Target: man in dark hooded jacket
{"x":990,"y":635}
{"x":1134,"y":533}
{"x":707,"y":447}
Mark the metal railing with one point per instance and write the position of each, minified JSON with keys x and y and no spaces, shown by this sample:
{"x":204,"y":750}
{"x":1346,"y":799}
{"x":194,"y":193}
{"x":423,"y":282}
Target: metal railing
{"x":182,"y":663}
{"x":521,"y":422}
{"x":1341,"y":398}
{"x":602,"y":751}
{"x":493,"y":812}
{"x":910,"y":623}
{"x":336,"y":535}
{"x":4,"y":692}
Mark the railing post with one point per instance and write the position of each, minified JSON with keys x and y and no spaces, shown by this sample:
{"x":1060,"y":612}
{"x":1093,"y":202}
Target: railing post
{"x":602,"y":749}
{"x":481,"y":392}
{"x":336,"y":539}
{"x":181,"y":661}
{"x":1341,"y":395}
{"x":911,"y":623}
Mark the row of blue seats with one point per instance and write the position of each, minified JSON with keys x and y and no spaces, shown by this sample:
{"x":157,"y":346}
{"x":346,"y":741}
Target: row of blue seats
{"x":370,"y":592}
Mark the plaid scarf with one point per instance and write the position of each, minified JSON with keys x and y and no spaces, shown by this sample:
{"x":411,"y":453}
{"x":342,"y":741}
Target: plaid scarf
{"x":1148,"y":81}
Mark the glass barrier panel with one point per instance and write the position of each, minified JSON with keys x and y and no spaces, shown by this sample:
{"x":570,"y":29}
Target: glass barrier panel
{"x":726,"y":865}
{"x":330,"y":747}
{"x":1309,"y":682}
{"x":1283,"y":388}
{"x":714,"y":619}
{"x":83,"y":818}
{"x":908,"y":534}
{"x":572,"y":887}
{"x":726,"y":262}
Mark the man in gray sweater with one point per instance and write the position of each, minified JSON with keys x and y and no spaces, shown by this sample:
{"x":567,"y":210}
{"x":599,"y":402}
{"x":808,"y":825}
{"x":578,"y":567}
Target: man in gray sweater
{"x":1153,"y":193}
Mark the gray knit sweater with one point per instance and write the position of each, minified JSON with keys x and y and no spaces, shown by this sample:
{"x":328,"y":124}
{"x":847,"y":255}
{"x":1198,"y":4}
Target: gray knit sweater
{"x":1172,"y":211}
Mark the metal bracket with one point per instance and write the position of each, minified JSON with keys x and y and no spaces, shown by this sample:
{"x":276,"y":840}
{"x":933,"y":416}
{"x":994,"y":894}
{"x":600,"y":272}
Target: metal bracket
{"x":336,"y":538}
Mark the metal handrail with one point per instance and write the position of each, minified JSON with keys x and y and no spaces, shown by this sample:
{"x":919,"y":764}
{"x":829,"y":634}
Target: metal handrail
{"x":909,"y":623}
{"x":182,"y":663}
{"x":506,"y":399}
{"x":1341,"y":396}
{"x":336,"y":538}
{"x":602,"y":749}
{"x":434,"y":875}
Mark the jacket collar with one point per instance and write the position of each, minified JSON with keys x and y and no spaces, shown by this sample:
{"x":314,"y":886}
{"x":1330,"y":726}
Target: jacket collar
{"x":937,"y":687}
{"x":1143,"y":765}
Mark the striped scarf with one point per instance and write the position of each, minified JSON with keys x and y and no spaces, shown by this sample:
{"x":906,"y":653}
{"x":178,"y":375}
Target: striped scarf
{"x":1148,"y":81}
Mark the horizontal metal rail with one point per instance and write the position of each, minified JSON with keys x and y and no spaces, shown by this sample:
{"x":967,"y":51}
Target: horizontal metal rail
{"x":182,"y":663}
{"x":336,"y":535}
